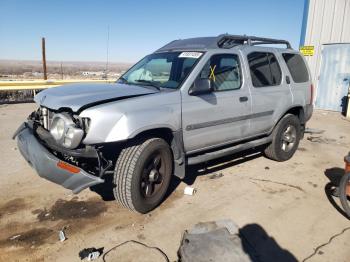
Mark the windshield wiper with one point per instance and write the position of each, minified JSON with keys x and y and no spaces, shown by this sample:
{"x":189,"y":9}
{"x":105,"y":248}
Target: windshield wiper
{"x":148,"y":83}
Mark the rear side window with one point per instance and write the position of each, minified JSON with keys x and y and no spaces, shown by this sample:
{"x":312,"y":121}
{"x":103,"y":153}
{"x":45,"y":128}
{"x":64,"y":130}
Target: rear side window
{"x":264,"y":69}
{"x":297,"y":67}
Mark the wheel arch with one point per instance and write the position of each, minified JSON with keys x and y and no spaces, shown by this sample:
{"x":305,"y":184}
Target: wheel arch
{"x":175,"y":141}
{"x":164,"y":132}
{"x":295,"y":110}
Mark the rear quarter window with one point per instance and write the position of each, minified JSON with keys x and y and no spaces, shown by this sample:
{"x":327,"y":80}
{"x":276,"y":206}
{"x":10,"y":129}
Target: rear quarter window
{"x":264,"y":69}
{"x":297,"y":67}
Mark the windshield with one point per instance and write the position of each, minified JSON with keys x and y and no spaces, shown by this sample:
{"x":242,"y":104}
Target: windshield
{"x":162,"y":70}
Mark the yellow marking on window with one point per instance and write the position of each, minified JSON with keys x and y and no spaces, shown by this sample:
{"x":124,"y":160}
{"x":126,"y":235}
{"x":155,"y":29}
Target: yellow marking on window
{"x":212,"y":75}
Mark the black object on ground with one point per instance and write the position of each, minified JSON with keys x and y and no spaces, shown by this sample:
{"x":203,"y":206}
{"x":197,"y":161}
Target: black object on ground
{"x":87,"y":251}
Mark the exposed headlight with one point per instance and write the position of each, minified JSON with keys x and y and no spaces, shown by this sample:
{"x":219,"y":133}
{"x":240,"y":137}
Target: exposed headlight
{"x":65,"y":132}
{"x":57,"y":128}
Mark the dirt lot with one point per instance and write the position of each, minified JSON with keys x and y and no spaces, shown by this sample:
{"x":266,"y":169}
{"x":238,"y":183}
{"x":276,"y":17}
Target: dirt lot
{"x":282,"y":207}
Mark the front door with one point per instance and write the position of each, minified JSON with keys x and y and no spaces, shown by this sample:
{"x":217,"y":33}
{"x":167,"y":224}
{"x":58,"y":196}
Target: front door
{"x":219,"y":117}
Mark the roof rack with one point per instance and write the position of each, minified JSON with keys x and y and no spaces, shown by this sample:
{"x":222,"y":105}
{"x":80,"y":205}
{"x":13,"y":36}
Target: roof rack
{"x":229,"y":41}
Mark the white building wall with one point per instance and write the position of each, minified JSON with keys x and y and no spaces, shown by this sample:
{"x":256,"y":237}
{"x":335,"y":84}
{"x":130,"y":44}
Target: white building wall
{"x":325,"y":22}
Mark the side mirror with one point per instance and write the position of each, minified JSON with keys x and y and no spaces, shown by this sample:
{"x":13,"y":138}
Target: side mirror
{"x":201,"y":86}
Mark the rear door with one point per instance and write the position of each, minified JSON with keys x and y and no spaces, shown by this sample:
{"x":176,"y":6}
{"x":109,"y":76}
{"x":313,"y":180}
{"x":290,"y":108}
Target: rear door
{"x":271,"y":94}
{"x":217,"y":118}
{"x":300,"y":78}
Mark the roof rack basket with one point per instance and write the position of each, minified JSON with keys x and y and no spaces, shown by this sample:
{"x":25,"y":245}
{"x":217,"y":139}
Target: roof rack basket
{"x":229,"y":41}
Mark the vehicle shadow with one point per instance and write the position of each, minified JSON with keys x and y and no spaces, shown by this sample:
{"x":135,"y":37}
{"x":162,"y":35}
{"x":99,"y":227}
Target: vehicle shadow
{"x":192,"y":172}
{"x":334,"y":175}
{"x":261,"y":247}
{"x":105,"y":190}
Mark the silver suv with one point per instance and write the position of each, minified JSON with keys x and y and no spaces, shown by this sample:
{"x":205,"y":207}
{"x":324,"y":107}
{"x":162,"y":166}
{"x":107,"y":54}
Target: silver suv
{"x":191,"y":101}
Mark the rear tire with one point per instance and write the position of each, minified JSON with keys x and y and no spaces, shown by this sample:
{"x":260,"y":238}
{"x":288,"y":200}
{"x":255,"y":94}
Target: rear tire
{"x":142,"y":174}
{"x":285,"y":139}
{"x":343,"y":193}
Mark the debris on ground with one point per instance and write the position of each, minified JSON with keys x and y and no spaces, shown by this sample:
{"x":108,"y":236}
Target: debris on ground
{"x":316,"y":139}
{"x":216,"y":175}
{"x":14,"y":237}
{"x":222,"y":241}
{"x":313,"y":131}
{"x":334,"y":190}
{"x":190,"y":191}
{"x":91,"y":253}
{"x":62,"y":235}
{"x":154,"y":255}
{"x":213,"y":241}
{"x":320,"y":139}
{"x":267,"y":168}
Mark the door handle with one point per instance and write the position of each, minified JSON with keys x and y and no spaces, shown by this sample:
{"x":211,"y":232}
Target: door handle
{"x":243,"y":99}
{"x":287,"y":80}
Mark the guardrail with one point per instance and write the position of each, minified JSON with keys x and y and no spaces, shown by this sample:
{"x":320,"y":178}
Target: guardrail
{"x":43,"y":84}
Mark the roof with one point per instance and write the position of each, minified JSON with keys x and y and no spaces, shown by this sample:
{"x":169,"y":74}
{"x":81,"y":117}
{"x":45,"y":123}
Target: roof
{"x":225,"y":41}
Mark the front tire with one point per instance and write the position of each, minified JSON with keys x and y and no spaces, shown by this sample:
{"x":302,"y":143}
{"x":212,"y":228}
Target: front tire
{"x":285,"y":139}
{"x":142,"y":174}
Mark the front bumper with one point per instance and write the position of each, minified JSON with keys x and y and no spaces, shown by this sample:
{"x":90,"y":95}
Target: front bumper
{"x":46,"y":164}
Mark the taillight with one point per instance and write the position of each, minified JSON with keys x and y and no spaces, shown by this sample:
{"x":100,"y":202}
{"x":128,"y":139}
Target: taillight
{"x":311,"y":94}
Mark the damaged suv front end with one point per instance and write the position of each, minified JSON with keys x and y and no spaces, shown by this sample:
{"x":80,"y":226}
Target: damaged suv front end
{"x":51,"y":143}
{"x":55,"y":140}
{"x":84,"y":134}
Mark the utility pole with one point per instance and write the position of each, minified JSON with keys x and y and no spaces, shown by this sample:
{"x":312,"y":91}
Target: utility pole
{"x":61,"y":71}
{"x":107,"y":55}
{"x":44,"y":56}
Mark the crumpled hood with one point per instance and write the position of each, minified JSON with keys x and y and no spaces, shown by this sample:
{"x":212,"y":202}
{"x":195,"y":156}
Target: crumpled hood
{"x":80,"y":96}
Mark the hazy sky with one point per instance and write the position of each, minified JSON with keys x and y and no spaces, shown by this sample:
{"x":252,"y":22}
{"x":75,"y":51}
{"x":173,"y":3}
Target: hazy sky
{"x":76,"y":30}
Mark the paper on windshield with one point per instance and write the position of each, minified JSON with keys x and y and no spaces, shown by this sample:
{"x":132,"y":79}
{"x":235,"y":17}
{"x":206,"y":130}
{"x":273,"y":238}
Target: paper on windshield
{"x":190,"y":54}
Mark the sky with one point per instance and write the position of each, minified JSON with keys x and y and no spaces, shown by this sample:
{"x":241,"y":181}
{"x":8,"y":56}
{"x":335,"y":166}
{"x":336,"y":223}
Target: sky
{"x":77,"y":30}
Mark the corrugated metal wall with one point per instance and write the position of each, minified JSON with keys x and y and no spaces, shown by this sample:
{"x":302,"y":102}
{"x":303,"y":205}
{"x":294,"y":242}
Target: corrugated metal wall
{"x":334,"y":79}
{"x":325,"y":22}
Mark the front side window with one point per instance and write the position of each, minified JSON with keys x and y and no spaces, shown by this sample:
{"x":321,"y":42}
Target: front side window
{"x":162,"y":70}
{"x":224,"y":72}
{"x":297,"y":67}
{"x":264,"y":69}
